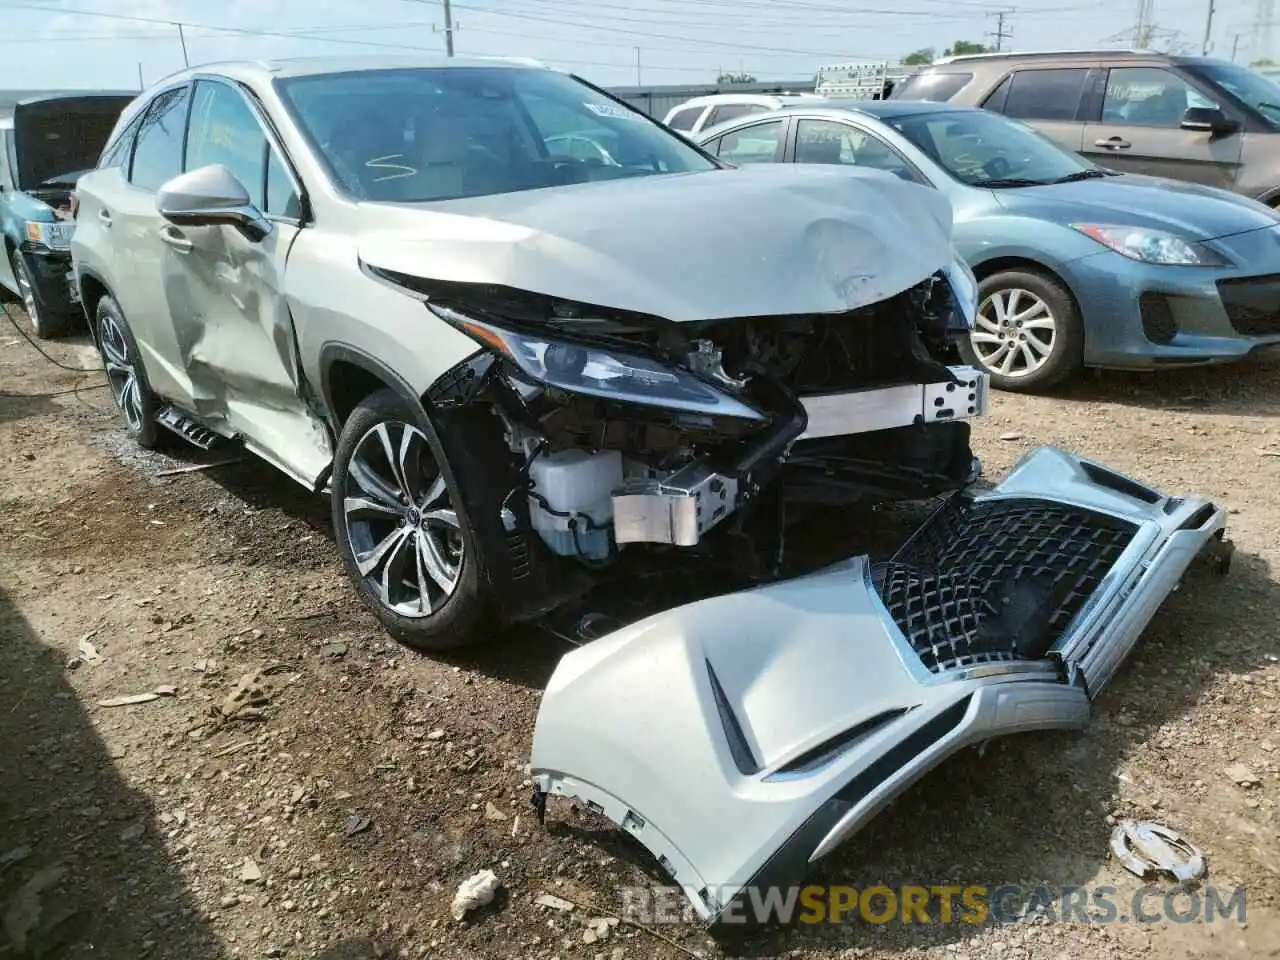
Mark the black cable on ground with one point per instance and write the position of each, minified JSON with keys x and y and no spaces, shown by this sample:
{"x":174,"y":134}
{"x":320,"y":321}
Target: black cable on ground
{"x":40,"y":350}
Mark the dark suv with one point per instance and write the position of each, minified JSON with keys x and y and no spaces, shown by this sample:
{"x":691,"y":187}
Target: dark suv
{"x":1189,"y":118}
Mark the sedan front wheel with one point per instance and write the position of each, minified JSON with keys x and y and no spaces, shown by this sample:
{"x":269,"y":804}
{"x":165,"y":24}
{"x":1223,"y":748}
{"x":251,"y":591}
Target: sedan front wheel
{"x":1028,"y":334}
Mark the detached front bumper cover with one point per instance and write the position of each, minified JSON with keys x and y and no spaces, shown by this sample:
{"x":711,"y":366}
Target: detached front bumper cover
{"x":741,"y":738}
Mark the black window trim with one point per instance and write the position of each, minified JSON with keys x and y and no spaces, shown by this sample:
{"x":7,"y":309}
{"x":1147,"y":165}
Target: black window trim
{"x":852,"y":121}
{"x":1077,"y":115}
{"x":272,"y":136}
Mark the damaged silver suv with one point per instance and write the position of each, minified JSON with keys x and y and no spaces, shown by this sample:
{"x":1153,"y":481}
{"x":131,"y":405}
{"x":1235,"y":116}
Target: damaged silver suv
{"x":510,"y":364}
{"x":529,"y":377}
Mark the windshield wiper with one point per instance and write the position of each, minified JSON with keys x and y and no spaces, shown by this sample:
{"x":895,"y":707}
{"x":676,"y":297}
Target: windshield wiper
{"x":1091,"y":174}
{"x":999,"y":182}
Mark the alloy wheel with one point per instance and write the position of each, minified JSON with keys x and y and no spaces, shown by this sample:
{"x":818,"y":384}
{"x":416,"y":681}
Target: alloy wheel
{"x":403,"y":530}
{"x":26,"y":290}
{"x":1015,"y":333}
{"x":122,"y":372}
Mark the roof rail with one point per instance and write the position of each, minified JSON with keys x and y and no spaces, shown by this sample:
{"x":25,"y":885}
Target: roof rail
{"x":1103,"y":51}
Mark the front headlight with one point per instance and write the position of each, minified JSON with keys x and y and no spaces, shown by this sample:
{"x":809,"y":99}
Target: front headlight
{"x":55,"y":235}
{"x":600,"y":372}
{"x":1151,"y":246}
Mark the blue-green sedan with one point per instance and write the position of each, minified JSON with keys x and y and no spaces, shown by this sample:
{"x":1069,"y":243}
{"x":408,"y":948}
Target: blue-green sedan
{"x":1078,"y":265}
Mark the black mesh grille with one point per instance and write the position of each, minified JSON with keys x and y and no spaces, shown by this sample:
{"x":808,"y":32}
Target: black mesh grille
{"x":995,"y":581}
{"x":1252,"y":304}
{"x":1158,"y":322}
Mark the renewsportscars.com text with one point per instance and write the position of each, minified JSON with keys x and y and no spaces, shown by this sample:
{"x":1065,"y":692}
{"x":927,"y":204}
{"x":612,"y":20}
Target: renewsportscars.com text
{"x":946,"y":904}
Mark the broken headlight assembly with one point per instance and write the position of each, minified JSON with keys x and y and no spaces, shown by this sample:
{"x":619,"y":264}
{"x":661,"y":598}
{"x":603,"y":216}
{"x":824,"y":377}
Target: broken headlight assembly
{"x":599,"y":371}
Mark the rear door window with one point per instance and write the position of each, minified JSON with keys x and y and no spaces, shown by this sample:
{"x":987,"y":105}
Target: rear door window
{"x":935,"y":87}
{"x":757,"y":143}
{"x":157,"y":155}
{"x":1040,"y":94}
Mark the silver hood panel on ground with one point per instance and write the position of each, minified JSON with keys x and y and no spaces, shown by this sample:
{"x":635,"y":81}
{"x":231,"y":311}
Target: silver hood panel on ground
{"x":741,"y":737}
{"x":761,"y":241}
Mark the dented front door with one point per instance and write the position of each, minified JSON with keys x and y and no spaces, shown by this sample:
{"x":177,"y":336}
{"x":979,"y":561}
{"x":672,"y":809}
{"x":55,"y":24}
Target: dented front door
{"x":225,"y":295}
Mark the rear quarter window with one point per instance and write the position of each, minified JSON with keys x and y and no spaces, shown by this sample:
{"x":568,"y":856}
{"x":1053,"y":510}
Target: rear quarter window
{"x":1039,"y":94}
{"x":934,"y":87}
{"x":685,"y":119}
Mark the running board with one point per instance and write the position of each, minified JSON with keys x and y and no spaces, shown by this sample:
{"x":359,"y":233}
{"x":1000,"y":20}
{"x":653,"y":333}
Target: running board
{"x":188,"y":428}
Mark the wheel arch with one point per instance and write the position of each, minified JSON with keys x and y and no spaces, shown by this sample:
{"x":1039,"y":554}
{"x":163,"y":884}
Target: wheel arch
{"x":349,"y":374}
{"x":92,"y":289}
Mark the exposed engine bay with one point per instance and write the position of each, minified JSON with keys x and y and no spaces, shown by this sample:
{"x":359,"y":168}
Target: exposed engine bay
{"x":633,"y":432}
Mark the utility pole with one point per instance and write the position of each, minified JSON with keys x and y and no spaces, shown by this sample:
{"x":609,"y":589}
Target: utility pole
{"x":1001,"y":34}
{"x":1208,"y":30}
{"x":182,"y":38}
{"x":141,"y":86}
{"x":1142,"y":27}
{"x":1264,"y":20}
{"x":1235,"y":47}
{"x":448,"y":29}
{"x":638,"y":83}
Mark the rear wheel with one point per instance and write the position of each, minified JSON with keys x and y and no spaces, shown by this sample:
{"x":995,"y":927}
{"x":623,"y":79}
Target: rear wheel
{"x":1028,"y":334}
{"x":45,"y":324}
{"x":410,"y":552}
{"x":128,"y":381}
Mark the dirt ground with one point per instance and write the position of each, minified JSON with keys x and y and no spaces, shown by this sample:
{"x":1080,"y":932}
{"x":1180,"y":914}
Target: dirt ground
{"x":331,"y":807}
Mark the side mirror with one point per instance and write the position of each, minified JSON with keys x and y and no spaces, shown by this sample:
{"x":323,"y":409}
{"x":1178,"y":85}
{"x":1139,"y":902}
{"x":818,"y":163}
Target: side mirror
{"x":209,"y":197}
{"x":1208,"y":120}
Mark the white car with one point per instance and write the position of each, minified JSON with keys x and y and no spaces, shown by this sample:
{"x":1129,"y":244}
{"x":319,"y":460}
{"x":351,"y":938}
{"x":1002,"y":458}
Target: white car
{"x":700,"y":113}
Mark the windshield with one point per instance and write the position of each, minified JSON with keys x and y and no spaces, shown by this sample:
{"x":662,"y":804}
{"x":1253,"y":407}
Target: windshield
{"x":1259,"y":92}
{"x":412,"y":135}
{"x":985,"y":149}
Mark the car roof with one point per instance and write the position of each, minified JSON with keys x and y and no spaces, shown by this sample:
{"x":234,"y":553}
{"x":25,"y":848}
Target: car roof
{"x":879,"y":109}
{"x":1112,"y":54}
{"x":267,"y":70}
{"x":723,"y":98}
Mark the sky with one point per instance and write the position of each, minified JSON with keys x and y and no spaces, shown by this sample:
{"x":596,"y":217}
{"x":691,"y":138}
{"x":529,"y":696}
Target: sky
{"x":60,"y":44}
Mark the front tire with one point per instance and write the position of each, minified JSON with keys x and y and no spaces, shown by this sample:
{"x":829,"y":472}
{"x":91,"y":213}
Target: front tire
{"x":128,"y":381}
{"x":1028,"y":335}
{"x":45,"y":324}
{"x":410,"y":552}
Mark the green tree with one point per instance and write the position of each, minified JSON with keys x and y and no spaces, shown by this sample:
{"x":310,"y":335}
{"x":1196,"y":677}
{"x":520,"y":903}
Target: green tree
{"x":964,"y":47}
{"x":736,"y":78}
{"x":918,"y":58}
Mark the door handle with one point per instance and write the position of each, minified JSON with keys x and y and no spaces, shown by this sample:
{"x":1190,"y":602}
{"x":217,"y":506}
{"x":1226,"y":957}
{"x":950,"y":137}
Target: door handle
{"x":104,"y":217}
{"x":1113,"y":143}
{"x":174,"y":238}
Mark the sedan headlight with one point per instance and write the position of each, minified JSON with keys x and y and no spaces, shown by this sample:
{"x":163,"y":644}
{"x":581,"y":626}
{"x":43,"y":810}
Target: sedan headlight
{"x":55,"y":235}
{"x":598,"y":371}
{"x":1151,"y":246}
